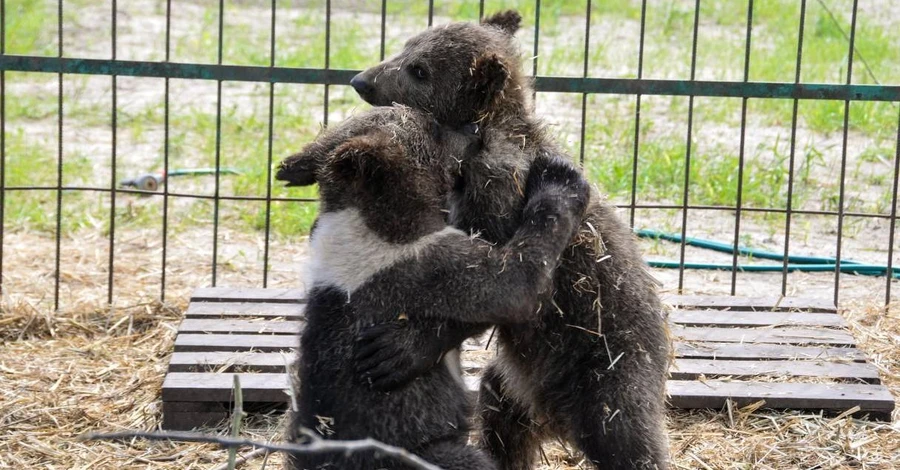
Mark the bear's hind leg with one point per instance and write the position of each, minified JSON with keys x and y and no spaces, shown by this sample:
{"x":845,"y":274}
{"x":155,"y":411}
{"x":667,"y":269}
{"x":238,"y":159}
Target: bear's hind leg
{"x":633,"y":438}
{"x":508,"y":431}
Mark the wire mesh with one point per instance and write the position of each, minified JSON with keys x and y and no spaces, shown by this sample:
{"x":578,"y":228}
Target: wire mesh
{"x":274,"y":76}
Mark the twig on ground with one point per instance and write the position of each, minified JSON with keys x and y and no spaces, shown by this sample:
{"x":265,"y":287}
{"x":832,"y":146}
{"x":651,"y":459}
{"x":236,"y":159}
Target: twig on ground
{"x":236,"y":420}
{"x":244,"y":458}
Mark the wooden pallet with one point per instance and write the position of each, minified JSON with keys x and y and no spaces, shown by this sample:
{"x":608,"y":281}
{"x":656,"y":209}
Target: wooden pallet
{"x":725,"y":348}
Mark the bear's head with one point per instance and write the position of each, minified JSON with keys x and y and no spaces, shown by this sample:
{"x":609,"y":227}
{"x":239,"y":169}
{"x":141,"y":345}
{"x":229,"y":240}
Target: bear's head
{"x":458,"y":72}
{"x":393,"y":165}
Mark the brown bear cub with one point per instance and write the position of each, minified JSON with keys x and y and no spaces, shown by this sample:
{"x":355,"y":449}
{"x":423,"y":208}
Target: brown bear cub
{"x":593,"y":369}
{"x":382,"y":253}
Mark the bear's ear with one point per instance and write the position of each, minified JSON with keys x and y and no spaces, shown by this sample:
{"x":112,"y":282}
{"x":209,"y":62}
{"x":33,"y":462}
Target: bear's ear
{"x":489,"y":77}
{"x":366,"y":158}
{"x":507,"y":21}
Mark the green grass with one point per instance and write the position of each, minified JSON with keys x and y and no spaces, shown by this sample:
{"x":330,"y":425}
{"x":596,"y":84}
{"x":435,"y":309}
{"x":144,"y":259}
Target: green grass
{"x":30,"y":28}
{"x":713,"y":178}
{"x":32,"y":161}
{"x":300,"y":42}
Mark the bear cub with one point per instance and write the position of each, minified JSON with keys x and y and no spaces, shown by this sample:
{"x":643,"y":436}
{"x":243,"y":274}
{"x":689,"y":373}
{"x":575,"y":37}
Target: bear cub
{"x":592,"y":370}
{"x":382,"y":253}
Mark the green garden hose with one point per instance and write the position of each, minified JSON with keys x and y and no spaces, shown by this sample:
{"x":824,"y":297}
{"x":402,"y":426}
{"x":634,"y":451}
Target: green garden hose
{"x":795,"y":263}
{"x":152,"y":181}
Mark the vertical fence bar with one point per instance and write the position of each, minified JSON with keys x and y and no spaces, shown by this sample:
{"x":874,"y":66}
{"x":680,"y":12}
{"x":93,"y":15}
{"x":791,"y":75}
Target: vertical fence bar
{"x":480,"y":10}
{"x":890,"y":260}
{"x":740,"y":182}
{"x":687,"y":154}
{"x":840,"y":234}
{"x":587,"y":42}
{"x":112,"y":181}
{"x":537,"y":28}
{"x":269,"y":157}
{"x":430,"y":12}
{"x":327,"y":57}
{"x":2,"y":140}
{"x":59,"y":160}
{"x":383,"y":29}
{"x":215,"y":255}
{"x":637,"y":115}
{"x":165,"y":184}
{"x":791,"y":159}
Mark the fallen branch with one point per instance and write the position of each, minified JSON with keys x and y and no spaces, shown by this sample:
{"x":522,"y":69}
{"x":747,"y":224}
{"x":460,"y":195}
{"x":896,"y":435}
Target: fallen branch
{"x":315,"y":445}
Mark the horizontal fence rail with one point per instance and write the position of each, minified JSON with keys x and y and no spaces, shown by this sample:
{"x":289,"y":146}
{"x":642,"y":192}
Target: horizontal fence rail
{"x":307,"y":76}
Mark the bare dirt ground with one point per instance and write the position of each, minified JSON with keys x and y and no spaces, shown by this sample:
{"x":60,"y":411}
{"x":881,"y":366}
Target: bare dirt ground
{"x":90,"y":366}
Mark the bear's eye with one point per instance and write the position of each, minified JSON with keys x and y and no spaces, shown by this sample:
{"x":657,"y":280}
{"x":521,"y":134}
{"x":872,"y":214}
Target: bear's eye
{"x":418,"y":72}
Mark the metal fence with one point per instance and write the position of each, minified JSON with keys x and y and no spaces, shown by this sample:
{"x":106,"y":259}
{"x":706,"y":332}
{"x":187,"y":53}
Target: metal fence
{"x":585,"y":85}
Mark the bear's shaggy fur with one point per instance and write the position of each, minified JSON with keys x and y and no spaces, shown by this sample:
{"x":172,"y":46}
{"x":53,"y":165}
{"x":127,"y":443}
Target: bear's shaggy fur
{"x":382,"y":253}
{"x":593,"y":370}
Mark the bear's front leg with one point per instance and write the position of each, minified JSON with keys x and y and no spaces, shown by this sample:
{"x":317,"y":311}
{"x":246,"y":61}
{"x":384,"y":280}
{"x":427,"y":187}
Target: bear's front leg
{"x":392,"y":354}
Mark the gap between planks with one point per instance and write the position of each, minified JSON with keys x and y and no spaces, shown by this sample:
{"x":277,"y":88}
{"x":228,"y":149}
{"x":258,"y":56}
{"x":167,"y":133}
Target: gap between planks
{"x":682,"y":369}
{"x":770,"y":303}
{"x":694,"y":350}
{"x":209,"y":311}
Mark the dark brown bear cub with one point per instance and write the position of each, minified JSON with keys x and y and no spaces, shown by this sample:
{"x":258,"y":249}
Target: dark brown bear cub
{"x":593,"y":370}
{"x":381,"y":252}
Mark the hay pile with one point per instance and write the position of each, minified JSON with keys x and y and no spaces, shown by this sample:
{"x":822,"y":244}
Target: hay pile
{"x":91,"y":369}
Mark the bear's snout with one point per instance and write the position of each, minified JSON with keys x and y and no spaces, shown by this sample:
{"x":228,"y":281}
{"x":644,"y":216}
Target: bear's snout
{"x":362,"y":86}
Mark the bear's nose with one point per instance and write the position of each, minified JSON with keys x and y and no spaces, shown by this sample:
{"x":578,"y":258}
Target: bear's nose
{"x":363,"y":87}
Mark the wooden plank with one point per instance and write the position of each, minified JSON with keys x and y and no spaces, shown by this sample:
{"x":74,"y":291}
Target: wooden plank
{"x":200,"y":386}
{"x":688,"y":369}
{"x":764,"y":335}
{"x":771,"y":303}
{"x":765,"y":352}
{"x":683,"y":369}
{"x":746,"y":319}
{"x":228,"y":361}
{"x":245,"y":294}
{"x":183,"y":416}
{"x":186,"y":415}
{"x":259,"y":327}
{"x":875,"y":399}
{"x":183,"y":389}
{"x":187,"y":420}
{"x":199,"y":406}
{"x":244,"y":309}
{"x":210,"y":342}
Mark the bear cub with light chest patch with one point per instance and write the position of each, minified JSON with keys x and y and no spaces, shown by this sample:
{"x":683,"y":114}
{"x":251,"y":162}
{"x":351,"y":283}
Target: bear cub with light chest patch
{"x":382,"y":252}
{"x":592,"y":370}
